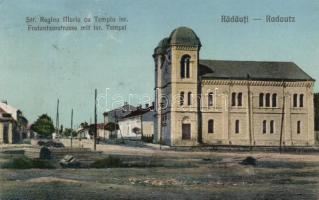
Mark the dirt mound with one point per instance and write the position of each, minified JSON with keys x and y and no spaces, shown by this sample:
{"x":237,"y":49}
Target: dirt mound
{"x":50,"y":180}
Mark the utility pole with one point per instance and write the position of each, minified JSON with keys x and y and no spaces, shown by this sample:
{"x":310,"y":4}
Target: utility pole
{"x":141,"y":118}
{"x":95,"y":119}
{"x":57,"y":118}
{"x":71,"y":127}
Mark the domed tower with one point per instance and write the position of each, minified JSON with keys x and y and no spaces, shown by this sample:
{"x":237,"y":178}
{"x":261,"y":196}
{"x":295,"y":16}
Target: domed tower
{"x":159,"y":59}
{"x":176,"y":69}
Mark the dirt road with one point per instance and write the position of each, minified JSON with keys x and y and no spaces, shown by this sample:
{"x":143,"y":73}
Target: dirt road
{"x":209,"y":175}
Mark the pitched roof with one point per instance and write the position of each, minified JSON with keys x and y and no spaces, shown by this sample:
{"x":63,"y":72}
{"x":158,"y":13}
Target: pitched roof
{"x":257,"y":70}
{"x":120,"y":111}
{"x":138,"y":112}
{"x":9,"y":109}
{"x":2,"y":111}
{"x":4,"y":116}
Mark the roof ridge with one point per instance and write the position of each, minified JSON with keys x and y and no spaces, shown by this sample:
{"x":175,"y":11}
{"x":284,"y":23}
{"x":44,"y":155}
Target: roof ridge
{"x":263,"y":70}
{"x":247,"y":61}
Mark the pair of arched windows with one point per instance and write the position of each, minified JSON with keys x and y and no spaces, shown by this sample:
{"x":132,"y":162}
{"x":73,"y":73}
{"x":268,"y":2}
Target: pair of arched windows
{"x":237,"y":99}
{"x":264,"y":100}
{"x":185,"y":66}
{"x":189,"y":98}
{"x":295,"y":100}
{"x":271,"y":126}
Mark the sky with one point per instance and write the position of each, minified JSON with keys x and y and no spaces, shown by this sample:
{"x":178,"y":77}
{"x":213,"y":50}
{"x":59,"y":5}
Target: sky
{"x":39,"y":67}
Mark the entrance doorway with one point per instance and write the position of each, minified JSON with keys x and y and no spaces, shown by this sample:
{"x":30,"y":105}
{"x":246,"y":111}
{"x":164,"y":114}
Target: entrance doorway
{"x":186,"y":131}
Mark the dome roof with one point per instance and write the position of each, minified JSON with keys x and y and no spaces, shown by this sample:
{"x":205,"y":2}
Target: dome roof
{"x":162,"y":45}
{"x":184,"y":36}
{"x":180,"y":36}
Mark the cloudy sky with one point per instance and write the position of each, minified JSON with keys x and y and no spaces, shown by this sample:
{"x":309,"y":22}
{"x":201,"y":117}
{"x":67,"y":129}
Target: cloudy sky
{"x":36,"y":68}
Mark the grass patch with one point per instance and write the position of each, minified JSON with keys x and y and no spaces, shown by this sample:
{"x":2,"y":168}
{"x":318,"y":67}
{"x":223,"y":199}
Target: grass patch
{"x":27,"y":163}
{"x":116,"y":162}
{"x":109,"y":162}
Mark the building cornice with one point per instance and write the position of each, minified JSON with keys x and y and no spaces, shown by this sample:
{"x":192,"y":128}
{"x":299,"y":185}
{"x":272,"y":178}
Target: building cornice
{"x":184,"y":47}
{"x":259,"y":83}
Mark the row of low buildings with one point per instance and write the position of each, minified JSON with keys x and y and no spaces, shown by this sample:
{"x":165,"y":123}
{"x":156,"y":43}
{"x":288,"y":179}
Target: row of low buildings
{"x":133,"y":122}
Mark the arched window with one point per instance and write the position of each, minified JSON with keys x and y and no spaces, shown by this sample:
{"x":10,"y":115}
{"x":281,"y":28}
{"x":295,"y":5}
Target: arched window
{"x":301,"y":100}
{"x":210,"y":126}
{"x":164,"y":102}
{"x":295,"y":98}
{"x":185,"y":66}
{"x":237,"y":126}
{"x":298,"y":127}
{"x":239,"y":99}
{"x":261,"y":100}
{"x":189,"y":98}
{"x":233,"y":99}
{"x":272,"y":126}
{"x":210,"y":99}
{"x":267,"y":100}
{"x":181,"y":100}
{"x":274,"y":100}
{"x":264,"y":126}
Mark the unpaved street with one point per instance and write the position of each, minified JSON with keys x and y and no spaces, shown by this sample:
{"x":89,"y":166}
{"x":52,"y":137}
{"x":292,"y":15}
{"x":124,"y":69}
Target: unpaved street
{"x":189,"y":175}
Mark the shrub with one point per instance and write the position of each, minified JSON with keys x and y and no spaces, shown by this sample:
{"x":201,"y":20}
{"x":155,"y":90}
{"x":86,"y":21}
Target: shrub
{"x":27,"y":163}
{"x":108,"y":162}
{"x":148,"y":139}
{"x":249,"y":161}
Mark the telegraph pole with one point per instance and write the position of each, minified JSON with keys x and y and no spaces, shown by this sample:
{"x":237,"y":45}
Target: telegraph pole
{"x":57,"y":118}
{"x":95,"y":119}
{"x":71,"y":127}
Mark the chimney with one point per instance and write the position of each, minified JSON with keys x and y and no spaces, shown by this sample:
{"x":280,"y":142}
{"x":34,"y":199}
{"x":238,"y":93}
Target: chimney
{"x":146,"y":105}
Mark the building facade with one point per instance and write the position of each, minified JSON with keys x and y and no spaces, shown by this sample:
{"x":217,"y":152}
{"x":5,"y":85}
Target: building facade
{"x":6,"y":128}
{"x":218,"y":102}
{"x":142,"y":120}
{"x":13,"y":125}
{"x":114,"y":115}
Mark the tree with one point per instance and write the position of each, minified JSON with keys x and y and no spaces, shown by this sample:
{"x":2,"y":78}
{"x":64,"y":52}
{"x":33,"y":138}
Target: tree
{"x":43,"y":126}
{"x":84,"y":125}
{"x":111,"y":126}
{"x":61,"y":129}
{"x":136,"y":130}
{"x":67,"y":132}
